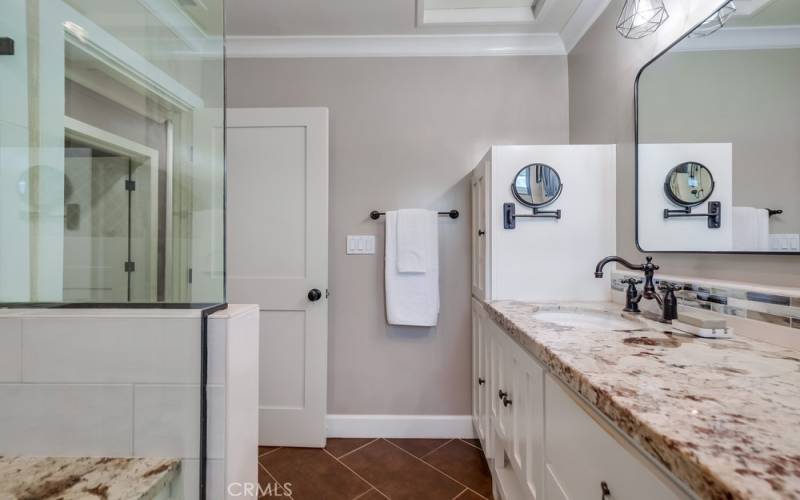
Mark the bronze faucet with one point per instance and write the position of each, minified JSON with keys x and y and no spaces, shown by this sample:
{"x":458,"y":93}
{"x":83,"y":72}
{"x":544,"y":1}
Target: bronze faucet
{"x":668,"y":305}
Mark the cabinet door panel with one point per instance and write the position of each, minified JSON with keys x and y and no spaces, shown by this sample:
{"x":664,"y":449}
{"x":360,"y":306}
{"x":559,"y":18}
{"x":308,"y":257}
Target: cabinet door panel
{"x":527,"y":434}
{"x":582,"y":455}
{"x":476,"y":371}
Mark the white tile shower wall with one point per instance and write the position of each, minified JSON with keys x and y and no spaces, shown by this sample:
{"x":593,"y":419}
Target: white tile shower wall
{"x":10,"y":349}
{"x":166,"y":421}
{"x":111,"y":350}
{"x":66,"y":420}
{"x":125,"y":383}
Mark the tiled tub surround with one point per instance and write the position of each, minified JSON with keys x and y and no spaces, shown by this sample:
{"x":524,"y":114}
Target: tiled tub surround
{"x":721,"y":415}
{"x":125,"y":383}
{"x":779,"y":306}
{"x":86,"y":478}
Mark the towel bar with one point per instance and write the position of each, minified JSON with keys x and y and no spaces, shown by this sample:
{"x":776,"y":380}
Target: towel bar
{"x":453,"y":214}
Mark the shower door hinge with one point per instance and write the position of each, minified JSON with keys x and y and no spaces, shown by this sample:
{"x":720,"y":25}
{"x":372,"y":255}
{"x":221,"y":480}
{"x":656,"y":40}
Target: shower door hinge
{"x":130,"y":267}
{"x":130,"y":185}
{"x":6,"y":46}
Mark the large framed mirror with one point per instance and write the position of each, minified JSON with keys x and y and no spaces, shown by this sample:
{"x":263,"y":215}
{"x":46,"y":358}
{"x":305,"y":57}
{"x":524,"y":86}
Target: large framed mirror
{"x":718,"y":135}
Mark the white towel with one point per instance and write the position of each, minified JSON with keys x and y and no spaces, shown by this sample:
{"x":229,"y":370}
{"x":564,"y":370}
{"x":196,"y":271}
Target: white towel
{"x":415,"y":229}
{"x":750,"y":229}
{"x":412,"y":299}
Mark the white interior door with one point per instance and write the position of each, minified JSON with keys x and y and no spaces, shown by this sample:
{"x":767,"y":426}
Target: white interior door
{"x":277,"y":217}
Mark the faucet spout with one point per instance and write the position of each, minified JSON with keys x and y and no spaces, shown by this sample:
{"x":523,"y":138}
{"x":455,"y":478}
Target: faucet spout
{"x":598,"y":271}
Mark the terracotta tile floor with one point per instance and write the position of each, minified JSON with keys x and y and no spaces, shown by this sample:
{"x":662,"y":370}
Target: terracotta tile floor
{"x":377,"y":469}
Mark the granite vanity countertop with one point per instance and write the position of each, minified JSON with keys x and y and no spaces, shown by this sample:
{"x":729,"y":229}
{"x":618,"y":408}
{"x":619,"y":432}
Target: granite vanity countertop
{"x":44,"y":478}
{"x":722,"y":415}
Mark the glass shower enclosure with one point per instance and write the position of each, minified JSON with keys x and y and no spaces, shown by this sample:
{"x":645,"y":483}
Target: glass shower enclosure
{"x":111,"y":151}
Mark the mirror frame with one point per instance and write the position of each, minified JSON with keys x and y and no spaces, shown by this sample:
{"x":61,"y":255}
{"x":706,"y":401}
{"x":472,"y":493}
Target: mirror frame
{"x":536,"y":205}
{"x":674,"y":199}
{"x":636,"y":151}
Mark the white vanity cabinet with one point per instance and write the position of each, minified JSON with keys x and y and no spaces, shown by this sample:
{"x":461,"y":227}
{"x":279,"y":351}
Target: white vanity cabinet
{"x":481,"y":230}
{"x":543,"y":258}
{"x":541,"y":440}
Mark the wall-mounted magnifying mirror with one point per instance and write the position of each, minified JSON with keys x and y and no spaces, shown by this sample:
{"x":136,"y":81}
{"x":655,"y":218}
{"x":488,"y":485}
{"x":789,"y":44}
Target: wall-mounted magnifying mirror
{"x":537,"y":185}
{"x":689,"y":184}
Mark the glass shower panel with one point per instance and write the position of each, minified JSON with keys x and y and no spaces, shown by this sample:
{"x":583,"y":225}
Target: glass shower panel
{"x":111,"y":152}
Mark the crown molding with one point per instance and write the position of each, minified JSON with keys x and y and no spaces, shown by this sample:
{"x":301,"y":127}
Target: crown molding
{"x":520,"y":44}
{"x":744,"y":38}
{"x":581,"y":20}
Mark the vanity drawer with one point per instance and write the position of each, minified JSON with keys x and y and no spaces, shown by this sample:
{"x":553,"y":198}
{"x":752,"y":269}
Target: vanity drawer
{"x":582,"y":456}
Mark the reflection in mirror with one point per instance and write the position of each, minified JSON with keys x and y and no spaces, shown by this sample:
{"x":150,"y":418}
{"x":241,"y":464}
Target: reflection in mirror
{"x":724,"y":96}
{"x":537,"y":185}
{"x":689,"y":184}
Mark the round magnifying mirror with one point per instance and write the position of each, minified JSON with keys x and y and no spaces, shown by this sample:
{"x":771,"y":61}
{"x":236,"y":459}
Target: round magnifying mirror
{"x":689,"y":184}
{"x":537,"y":185}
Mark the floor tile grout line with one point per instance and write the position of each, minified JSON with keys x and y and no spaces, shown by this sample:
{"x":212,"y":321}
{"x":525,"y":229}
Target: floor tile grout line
{"x":353,"y":451}
{"x":462,"y":492}
{"x":270,"y":451}
{"x":270,"y":474}
{"x":436,"y":469}
{"x":371,"y":486}
{"x":467,"y":442}
{"x":437,"y":448}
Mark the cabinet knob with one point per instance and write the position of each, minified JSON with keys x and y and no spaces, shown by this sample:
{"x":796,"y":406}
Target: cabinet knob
{"x":502,"y":394}
{"x":506,"y":402}
{"x":481,"y":232}
{"x":481,"y":380}
{"x":604,"y":491}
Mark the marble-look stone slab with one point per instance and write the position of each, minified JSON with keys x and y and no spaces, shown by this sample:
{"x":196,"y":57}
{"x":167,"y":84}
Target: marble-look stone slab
{"x":722,"y":415}
{"x":85,"y":478}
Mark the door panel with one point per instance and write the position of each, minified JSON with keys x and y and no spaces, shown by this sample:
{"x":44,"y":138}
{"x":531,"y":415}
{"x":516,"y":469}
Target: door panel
{"x":277,"y":252}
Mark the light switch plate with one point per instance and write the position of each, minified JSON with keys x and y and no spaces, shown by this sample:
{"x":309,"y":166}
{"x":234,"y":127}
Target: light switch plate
{"x":360,"y":244}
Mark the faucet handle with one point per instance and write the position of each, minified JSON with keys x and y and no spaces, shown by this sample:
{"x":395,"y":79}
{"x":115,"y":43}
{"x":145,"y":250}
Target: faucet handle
{"x":632,"y":281}
{"x":669,"y":287}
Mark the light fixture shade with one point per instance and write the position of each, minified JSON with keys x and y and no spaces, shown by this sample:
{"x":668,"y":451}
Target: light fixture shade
{"x":715,"y":21}
{"x":640,"y":18}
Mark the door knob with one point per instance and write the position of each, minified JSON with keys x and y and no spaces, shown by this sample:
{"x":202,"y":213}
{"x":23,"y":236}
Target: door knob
{"x":314,"y":295}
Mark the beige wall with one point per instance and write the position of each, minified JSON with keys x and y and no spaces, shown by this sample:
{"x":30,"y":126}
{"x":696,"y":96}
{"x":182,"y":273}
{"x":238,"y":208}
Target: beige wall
{"x":602,"y":69}
{"x":406,"y":132}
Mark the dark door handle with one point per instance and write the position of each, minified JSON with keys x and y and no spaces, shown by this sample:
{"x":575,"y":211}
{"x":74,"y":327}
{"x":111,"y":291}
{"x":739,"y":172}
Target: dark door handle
{"x":604,"y":491}
{"x":502,"y":394}
{"x":506,"y":402}
{"x":481,"y":381}
{"x":314,"y":295}
{"x":481,"y":232}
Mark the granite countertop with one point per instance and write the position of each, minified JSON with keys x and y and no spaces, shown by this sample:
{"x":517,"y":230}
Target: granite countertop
{"x":43,"y":478}
{"x":723,"y":415}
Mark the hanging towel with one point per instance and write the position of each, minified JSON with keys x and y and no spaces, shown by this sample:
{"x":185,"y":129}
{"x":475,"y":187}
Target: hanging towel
{"x":415,"y":229}
{"x":750,"y":229}
{"x":412,"y":299}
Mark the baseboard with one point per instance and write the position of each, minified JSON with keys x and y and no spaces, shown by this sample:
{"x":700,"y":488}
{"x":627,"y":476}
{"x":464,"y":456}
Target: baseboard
{"x":400,"y":426}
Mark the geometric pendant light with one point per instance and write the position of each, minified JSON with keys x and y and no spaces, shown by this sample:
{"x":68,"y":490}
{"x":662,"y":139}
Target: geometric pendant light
{"x":715,"y":21}
{"x":640,"y":18}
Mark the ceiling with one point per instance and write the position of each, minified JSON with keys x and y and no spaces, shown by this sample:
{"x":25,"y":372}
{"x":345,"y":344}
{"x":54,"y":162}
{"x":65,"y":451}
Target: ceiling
{"x":382,"y":17}
{"x":771,"y":13}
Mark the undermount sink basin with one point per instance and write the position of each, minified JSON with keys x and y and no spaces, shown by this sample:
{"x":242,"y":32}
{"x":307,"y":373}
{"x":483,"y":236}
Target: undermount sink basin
{"x":597,"y":320}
